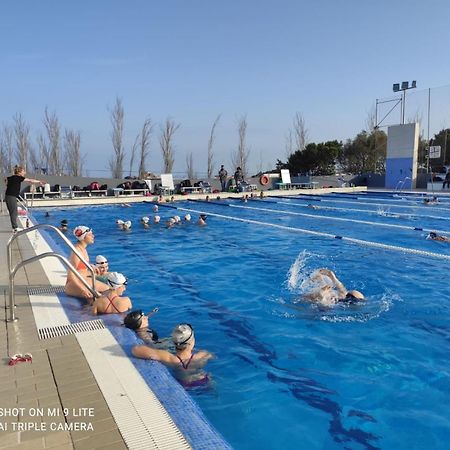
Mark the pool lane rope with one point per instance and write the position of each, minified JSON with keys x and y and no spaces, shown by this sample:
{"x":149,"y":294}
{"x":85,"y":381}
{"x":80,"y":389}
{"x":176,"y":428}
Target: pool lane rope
{"x":367,"y":211}
{"x":341,"y":219}
{"x":322,"y":234}
{"x":417,"y":205}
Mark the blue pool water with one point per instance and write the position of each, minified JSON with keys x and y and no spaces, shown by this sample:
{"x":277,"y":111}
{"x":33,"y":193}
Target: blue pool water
{"x":287,"y":374}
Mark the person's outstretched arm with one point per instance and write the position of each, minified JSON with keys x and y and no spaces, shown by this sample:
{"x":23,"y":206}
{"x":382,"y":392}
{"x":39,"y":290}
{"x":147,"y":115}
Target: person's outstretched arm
{"x":337,"y":283}
{"x":32,"y":180}
{"x":145,"y":352}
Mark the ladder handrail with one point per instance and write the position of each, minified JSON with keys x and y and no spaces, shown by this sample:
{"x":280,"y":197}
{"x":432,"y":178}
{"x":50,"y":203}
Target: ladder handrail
{"x":61,"y":235}
{"x":21,"y":264}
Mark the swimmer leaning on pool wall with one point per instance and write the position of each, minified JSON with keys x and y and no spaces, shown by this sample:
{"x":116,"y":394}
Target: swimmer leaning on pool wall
{"x":186,"y":364}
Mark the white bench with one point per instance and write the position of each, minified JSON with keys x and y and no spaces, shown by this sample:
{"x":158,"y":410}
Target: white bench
{"x":192,"y":189}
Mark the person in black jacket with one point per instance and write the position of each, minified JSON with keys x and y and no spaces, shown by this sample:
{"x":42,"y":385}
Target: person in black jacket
{"x":13,"y":190}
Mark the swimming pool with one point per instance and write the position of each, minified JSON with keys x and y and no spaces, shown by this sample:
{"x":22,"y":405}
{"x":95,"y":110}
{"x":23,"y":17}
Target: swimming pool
{"x":287,"y":374}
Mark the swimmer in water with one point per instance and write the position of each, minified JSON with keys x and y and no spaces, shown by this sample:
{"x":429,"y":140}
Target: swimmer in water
{"x":186,"y":364}
{"x":430,"y":201}
{"x":126,"y":225}
{"x":202,"y":220}
{"x":328,"y":290}
{"x":436,"y":237}
{"x":145,"y":222}
{"x":64,"y":226}
{"x":139,"y":323}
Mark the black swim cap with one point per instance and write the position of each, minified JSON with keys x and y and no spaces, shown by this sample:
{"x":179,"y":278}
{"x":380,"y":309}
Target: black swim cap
{"x":64,"y":222}
{"x":203,"y":216}
{"x":133,"y":319}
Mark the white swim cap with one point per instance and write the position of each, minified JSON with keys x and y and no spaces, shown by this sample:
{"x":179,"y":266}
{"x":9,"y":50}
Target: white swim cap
{"x":157,"y":219}
{"x":145,"y":219}
{"x":187,"y":217}
{"x":100,"y":259}
{"x":127,"y":224}
{"x":119,"y":222}
{"x":80,"y":232}
{"x":155,"y":208}
{"x":177,"y":218}
{"x":116,"y":279}
{"x":182,"y":334}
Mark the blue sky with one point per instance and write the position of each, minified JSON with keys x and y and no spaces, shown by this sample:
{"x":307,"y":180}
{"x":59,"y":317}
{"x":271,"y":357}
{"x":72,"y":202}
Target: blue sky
{"x":191,"y":60}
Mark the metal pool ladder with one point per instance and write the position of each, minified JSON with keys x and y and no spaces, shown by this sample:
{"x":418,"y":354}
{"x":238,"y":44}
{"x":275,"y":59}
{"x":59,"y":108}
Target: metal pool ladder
{"x":13,"y":270}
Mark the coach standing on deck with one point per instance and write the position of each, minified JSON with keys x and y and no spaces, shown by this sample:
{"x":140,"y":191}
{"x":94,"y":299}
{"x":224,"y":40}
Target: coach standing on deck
{"x":13,"y":190}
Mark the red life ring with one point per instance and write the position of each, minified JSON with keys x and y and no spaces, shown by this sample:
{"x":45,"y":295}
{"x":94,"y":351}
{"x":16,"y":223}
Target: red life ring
{"x":264,"y":180}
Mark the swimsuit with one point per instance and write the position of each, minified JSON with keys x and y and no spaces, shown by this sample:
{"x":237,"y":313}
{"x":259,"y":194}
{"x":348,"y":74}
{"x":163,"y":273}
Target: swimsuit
{"x":189,"y":383}
{"x":185,"y":366}
{"x":112,"y":304}
{"x":81,"y":266}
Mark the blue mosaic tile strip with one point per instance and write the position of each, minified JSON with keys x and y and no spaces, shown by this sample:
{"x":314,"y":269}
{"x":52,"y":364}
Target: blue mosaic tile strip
{"x":186,"y":414}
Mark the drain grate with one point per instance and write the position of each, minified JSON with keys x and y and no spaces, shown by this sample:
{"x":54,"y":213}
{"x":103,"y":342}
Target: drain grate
{"x":64,"y":330}
{"x":39,"y":290}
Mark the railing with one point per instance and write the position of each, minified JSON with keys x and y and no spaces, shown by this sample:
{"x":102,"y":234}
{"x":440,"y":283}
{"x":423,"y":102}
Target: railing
{"x":23,"y":203}
{"x":12,"y":271}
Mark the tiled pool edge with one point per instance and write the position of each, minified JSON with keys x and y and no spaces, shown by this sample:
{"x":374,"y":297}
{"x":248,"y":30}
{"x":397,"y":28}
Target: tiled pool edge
{"x":178,"y":404}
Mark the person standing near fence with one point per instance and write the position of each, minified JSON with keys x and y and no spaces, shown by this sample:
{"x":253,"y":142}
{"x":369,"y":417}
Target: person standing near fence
{"x":13,"y":191}
{"x":223,"y":174}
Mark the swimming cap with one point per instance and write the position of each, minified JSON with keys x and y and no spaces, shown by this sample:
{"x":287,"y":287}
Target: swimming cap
{"x":133,"y":319}
{"x":155,"y":208}
{"x":127,"y":224}
{"x":64,"y":222}
{"x":116,"y":279}
{"x":145,"y":219}
{"x":182,"y":334}
{"x":187,"y":217}
{"x":119,"y":222}
{"x":80,"y":232}
{"x":203,"y":216}
{"x":177,"y":218}
{"x":100,"y":259}
{"x":157,"y":219}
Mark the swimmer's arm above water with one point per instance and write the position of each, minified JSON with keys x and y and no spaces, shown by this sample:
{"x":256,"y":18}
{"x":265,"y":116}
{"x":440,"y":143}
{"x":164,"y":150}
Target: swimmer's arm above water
{"x":145,"y":352}
{"x":337,"y":283}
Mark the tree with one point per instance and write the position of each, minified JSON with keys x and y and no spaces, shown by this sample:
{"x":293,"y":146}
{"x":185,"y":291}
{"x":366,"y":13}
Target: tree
{"x":210,"y":165}
{"x":133,"y":153}
{"x":190,"y":166}
{"x":300,"y":132}
{"x":74,"y":161}
{"x":6,"y":148}
{"x":51,"y":124}
{"x":117,"y":115}
{"x":240,"y":157}
{"x":144,"y":146}
{"x":365,"y":153}
{"x":315,"y":159}
{"x":44,"y":155}
{"x":166,"y":144}
{"x":22,"y":139}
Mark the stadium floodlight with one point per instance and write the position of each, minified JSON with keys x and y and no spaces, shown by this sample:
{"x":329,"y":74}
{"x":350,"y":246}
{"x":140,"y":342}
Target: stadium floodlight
{"x":404,"y":87}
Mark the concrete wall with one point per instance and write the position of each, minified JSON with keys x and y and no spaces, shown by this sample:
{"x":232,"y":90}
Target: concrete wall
{"x":401,"y":158}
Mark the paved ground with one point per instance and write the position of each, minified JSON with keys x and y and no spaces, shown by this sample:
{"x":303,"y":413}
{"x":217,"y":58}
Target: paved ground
{"x":39,"y":400}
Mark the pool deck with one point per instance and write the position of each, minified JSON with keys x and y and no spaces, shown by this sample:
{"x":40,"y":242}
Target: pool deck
{"x":67,"y":373}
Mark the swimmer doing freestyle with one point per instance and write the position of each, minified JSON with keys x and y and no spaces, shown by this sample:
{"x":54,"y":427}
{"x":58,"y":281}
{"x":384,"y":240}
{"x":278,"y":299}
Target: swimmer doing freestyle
{"x":328,"y":290}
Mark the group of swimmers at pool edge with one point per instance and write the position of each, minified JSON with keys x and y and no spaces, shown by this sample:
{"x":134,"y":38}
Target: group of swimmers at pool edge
{"x":186,"y":364}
